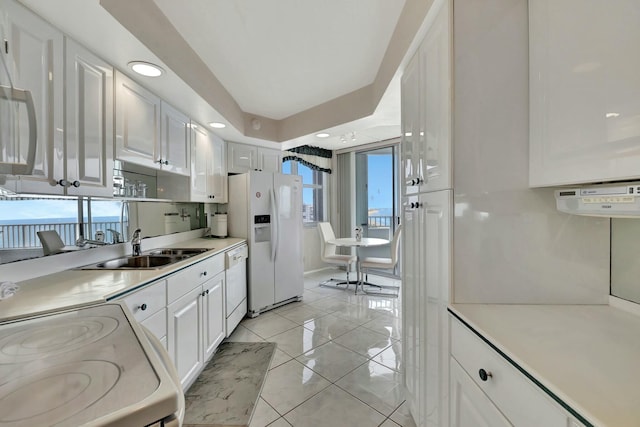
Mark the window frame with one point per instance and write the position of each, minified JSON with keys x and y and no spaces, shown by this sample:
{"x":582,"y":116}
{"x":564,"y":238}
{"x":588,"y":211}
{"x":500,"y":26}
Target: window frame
{"x":321,"y":188}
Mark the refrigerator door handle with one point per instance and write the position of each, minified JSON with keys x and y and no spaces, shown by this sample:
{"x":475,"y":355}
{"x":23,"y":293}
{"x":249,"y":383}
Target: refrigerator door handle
{"x":274,"y":224}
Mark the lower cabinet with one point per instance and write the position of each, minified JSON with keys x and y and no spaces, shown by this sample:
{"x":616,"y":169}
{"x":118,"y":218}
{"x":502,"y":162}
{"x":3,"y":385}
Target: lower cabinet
{"x":196,"y":327}
{"x":487,"y":390}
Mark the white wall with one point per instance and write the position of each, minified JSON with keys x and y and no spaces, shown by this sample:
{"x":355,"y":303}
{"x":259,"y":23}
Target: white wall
{"x":510,"y":243}
{"x":312,"y":259}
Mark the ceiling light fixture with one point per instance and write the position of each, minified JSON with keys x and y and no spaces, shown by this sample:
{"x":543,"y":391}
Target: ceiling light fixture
{"x":146,"y":69}
{"x":611,"y":115}
{"x":322,"y":135}
{"x":343,"y":139}
{"x":217,"y":125}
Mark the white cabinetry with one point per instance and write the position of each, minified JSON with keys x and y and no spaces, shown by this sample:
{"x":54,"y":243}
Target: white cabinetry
{"x":137,"y":123}
{"x":427,"y":221}
{"x":148,"y":307}
{"x":426,"y":109}
{"x":195,"y":316}
{"x":174,"y":140}
{"x":584,"y":92}
{"x":426,"y":281}
{"x":208,"y":172}
{"x":89,"y":123}
{"x":498,"y":383}
{"x":243,"y":158}
{"x":34,"y":55}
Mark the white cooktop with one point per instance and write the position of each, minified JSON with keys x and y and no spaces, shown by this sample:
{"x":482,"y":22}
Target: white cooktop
{"x":80,"y":367}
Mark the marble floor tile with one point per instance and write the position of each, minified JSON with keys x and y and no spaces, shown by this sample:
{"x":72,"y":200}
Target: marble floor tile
{"x":357,"y":314}
{"x":280,"y":422}
{"x":242,"y":334}
{"x":299,"y":340}
{"x":263,"y":414}
{"x":389,"y":423}
{"x":331,"y":360}
{"x":287,"y":307}
{"x":290,"y":384}
{"x":268,"y":324}
{"x":303,"y":313}
{"x":364,"y":341}
{"x":279,"y":358}
{"x":310,"y":296}
{"x":330,"y":326}
{"x":391,"y":357}
{"x":376,"y":385}
{"x":334,"y":407}
{"x":402,"y":417}
{"x":387,"y":325}
{"x":330,"y":305}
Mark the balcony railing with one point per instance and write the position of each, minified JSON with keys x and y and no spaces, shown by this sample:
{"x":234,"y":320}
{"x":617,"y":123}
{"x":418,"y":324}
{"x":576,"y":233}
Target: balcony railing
{"x":380,"y":221}
{"x":21,"y":236}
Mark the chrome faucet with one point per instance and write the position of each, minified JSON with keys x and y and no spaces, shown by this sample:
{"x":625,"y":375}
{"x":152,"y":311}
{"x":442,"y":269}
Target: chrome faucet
{"x":82,"y":242}
{"x":136,"y":242}
{"x":116,"y":235}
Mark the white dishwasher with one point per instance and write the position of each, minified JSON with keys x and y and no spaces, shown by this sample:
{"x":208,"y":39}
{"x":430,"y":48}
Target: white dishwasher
{"x":236,"y":286}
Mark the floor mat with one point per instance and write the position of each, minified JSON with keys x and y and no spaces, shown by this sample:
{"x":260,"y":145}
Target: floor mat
{"x":228,"y":389}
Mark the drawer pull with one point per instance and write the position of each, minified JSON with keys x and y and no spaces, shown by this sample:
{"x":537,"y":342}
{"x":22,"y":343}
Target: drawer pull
{"x":484,"y":375}
{"x":204,"y":273}
{"x":142,"y":307}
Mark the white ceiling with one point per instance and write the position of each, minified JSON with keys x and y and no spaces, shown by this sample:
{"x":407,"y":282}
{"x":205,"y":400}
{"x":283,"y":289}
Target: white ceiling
{"x":296,"y":66}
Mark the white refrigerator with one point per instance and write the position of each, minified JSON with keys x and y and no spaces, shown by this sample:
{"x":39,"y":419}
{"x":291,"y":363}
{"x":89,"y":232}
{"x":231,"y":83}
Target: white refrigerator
{"x":266,"y":209}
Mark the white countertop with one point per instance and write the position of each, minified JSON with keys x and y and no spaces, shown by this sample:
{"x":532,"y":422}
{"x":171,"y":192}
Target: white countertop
{"x":587,"y":355}
{"x":75,"y":288}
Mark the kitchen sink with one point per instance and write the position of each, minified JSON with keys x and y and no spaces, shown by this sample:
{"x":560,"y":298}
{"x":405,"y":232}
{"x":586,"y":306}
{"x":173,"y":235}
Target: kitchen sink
{"x":178,"y":251}
{"x":151,"y":260}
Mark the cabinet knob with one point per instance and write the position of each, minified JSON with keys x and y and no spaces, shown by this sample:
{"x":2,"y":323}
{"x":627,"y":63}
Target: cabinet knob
{"x":207,"y":291}
{"x":166,"y":162}
{"x":484,"y":375}
{"x":143,"y":307}
{"x":204,"y":273}
{"x":76,"y":184}
{"x":203,"y":294}
{"x":63,"y":183}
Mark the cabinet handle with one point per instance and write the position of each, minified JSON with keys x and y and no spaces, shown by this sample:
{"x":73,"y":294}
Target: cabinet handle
{"x":76,"y":184}
{"x":166,"y":162}
{"x":204,"y":273}
{"x":415,"y":205}
{"x":63,"y":183}
{"x":207,"y":291}
{"x":484,"y":375}
{"x":203,"y":294}
{"x":142,"y":307}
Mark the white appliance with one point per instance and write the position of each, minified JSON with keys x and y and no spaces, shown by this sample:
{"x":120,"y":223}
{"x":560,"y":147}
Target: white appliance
{"x":92,"y":366}
{"x":266,"y":209}
{"x":609,"y":200}
{"x":236,"y":286}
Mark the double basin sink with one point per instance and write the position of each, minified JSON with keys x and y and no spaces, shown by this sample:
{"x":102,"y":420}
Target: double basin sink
{"x":150,"y":260}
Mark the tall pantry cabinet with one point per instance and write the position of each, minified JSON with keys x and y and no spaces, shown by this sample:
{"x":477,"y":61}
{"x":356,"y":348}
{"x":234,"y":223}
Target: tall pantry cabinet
{"x":427,"y":221}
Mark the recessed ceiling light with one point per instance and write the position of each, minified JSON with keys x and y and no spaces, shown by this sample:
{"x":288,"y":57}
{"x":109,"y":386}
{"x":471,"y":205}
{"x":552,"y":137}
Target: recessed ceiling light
{"x":146,"y":69}
{"x":408,"y":134}
{"x":322,"y":135}
{"x":611,"y":115}
{"x":217,"y":125}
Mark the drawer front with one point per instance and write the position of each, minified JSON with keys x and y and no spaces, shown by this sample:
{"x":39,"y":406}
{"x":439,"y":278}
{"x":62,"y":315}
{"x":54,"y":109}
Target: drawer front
{"x":187,"y":279}
{"x":157,"y":324}
{"x":234,"y":318}
{"x":521,"y":401}
{"x":147,"y":301}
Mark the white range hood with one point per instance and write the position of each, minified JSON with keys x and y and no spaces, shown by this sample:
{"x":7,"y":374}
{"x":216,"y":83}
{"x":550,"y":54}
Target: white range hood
{"x":621,"y":200}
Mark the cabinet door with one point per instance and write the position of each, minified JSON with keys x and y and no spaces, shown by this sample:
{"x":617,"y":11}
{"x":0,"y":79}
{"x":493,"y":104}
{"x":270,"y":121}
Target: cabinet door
{"x":217,"y":185}
{"x":214,"y":314}
{"x":184,"y":335}
{"x":426,"y":281}
{"x":200,"y":153}
{"x":470,"y":407}
{"x":89,"y":149}
{"x":174,"y":140}
{"x":269,"y":160}
{"x":584,"y":91}
{"x":137,"y":123}
{"x":410,"y":116}
{"x":241,"y":158}
{"x":35,"y":62}
{"x":434,"y":135}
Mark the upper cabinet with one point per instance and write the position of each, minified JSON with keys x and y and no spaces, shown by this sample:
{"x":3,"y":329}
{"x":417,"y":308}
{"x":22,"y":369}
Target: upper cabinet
{"x":242,"y":158}
{"x":89,"y":123}
{"x":33,"y":52}
{"x":208,"y":172}
{"x":174,"y":140}
{"x":137,"y":123}
{"x":426,"y":111}
{"x":584,"y":91}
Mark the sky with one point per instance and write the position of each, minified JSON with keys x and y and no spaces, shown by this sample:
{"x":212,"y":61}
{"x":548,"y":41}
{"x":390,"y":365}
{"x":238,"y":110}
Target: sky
{"x":380,"y":181}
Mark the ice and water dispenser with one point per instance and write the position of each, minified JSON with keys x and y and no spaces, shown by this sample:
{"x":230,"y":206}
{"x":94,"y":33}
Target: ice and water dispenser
{"x":262,"y":228}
